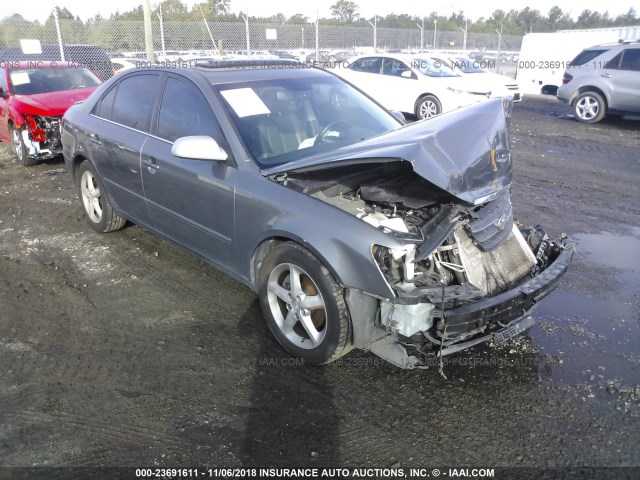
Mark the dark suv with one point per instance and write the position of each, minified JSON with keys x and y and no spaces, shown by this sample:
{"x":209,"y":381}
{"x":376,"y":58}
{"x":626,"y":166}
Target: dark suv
{"x":92,"y":57}
{"x":604,"y":79}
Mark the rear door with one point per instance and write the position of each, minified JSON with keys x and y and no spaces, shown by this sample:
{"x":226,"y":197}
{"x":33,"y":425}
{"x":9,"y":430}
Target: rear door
{"x":189,"y":201}
{"x":126,"y":110}
{"x":626,"y":81}
{"x":365,"y":74}
{"x":398,"y":86}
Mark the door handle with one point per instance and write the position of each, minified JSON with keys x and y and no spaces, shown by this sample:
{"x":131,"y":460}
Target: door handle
{"x":95,"y":139}
{"x":151,"y":164}
{"x":605,"y":75}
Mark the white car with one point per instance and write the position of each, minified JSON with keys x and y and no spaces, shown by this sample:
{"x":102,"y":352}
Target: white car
{"x":499,"y":85}
{"x":411,"y":84}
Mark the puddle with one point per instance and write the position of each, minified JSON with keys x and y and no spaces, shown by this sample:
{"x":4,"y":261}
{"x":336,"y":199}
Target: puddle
{"x":620,"y":252}
{"x":596,"y":339}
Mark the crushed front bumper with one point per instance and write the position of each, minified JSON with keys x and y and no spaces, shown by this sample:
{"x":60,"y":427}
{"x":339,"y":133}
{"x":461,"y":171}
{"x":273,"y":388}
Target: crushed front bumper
{"x":467,"y":311}
{"x":509,"y":305}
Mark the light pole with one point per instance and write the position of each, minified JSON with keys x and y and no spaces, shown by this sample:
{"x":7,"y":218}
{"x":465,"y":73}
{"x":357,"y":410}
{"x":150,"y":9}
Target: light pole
{"x":302,"y":28}
{"x":148,"y":35}
{"x":421,"y":27}
{"x":246,"y":27}
{"x":464,"y":30}
{"x":499,"y":46}
{"x":435,"y":32}
{"x":375,"y":33}
{"x":164,"y":51}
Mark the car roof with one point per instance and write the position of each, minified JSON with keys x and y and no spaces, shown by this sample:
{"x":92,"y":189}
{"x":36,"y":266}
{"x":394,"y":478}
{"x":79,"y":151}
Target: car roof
{"x":228,"y":71}
{"x":28,"y":64}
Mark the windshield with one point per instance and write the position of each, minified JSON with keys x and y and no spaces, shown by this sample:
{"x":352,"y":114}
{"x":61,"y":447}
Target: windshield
{"x":432,"y":67}
{"x":291,"y":118}
{"x":45,"y":80}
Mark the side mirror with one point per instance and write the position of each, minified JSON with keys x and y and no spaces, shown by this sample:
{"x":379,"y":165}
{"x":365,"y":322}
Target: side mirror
{"x":199,"y":147}
{"x":407,"y":74}
{"x":2,"y":93}
{"x":399,"y":116}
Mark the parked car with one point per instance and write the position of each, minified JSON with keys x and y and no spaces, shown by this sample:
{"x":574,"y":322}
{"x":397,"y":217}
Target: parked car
{"x":355,"y":231}
{"x":122,"y":64}
{"x":283,"y":54}
{"x":416,"y":85}
{"x":92,"y":57}
{"x":33,"y":99}
{"x":498,"y":85}
{"x":323,"y":59}
{"x":603,"y":80}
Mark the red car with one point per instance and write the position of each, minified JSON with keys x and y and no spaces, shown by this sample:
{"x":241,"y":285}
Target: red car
{"x":33,"y":97}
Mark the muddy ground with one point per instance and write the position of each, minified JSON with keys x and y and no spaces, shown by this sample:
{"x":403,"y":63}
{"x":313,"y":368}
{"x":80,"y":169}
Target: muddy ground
{"x":122,"y":350}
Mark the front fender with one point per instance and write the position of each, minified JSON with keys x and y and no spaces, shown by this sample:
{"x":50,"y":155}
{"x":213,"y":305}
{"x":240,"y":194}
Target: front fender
{"x":342,"y":242}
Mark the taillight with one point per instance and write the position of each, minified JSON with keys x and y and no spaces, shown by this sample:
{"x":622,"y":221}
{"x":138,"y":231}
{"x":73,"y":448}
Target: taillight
{"x":566,"y":78}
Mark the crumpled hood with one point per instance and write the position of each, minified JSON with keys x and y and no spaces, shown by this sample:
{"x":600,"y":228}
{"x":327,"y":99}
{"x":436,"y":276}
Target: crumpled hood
{"x":50,"y":104}
{"x":464,"y":152}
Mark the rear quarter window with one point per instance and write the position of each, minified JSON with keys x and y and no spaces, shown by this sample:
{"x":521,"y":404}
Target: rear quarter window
{"x":586,"y":56}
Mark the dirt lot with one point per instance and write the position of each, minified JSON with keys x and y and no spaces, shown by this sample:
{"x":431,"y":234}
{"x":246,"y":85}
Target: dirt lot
{"x":122,"y":350}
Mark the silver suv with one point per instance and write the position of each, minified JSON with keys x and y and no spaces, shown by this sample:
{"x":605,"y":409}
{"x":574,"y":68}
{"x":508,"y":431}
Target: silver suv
{"x":604,"y":79}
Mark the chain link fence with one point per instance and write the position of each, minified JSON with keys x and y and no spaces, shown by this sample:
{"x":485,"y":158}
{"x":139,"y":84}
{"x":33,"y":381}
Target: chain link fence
{"x":123,"y":37}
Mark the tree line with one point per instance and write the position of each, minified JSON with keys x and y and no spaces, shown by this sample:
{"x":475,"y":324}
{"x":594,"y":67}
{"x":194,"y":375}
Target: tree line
{"x":112,"y":33}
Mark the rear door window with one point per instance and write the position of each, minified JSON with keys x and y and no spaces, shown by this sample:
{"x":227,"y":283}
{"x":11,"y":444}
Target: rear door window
{"x":367,"y":65}
{"x":134,"y":101}
{"x":631,"y":60}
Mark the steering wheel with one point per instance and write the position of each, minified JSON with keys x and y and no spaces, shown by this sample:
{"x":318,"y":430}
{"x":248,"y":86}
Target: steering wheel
{"x":323,"y":136}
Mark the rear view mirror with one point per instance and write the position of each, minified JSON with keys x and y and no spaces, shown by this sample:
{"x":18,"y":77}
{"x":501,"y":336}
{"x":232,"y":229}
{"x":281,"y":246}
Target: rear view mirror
{"x":199,"y":147}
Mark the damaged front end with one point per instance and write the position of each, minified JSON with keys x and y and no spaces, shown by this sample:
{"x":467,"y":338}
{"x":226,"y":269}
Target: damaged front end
{"x":465,"y":271}
{"x":42,"y":136}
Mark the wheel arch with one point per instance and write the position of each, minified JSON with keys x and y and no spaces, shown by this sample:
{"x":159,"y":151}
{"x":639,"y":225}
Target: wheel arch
{"x":272,"y":241}
{"x":590,"y":88}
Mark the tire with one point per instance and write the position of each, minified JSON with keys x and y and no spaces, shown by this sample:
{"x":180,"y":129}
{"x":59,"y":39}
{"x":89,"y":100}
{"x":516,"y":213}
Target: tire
{"x":97,"y":208}
{"x":589,"y":107}
{"x":20,"y":149}
{"x":309,"y":318}
{"x":427,"y":107}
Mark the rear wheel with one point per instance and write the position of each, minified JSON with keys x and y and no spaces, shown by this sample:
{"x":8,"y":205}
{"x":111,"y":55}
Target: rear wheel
{"x":427,"y":107}
{"x":303,"y":304}
{"x":20,"y":149}
{"x":97,"y":208}
{"x":589,"y":107}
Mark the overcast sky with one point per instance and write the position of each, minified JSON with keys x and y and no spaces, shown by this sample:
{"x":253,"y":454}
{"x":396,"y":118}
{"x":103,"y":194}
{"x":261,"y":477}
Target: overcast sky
{"x":40,"y":9}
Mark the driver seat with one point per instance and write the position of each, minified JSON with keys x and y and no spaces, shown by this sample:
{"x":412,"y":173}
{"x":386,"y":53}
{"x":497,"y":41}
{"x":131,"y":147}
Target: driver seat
{"x":284,"y":129}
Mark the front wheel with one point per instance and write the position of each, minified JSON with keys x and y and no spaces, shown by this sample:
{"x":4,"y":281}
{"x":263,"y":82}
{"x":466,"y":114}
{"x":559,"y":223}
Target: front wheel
{"x":303,"y":304}
{"x":427,"y":107}
{"x":589,"y":107}
{"x":97,"y":207}
{"x":20,"y":149}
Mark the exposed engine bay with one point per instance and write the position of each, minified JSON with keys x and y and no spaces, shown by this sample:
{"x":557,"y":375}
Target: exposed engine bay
{"x":454,"y":254}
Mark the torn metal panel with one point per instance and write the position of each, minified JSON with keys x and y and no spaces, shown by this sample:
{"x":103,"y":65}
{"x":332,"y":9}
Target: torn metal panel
{"x":465,"y":152}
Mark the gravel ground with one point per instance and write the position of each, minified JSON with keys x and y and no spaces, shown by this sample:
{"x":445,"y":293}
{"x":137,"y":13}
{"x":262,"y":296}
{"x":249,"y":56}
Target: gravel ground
{"x":123,"y":350}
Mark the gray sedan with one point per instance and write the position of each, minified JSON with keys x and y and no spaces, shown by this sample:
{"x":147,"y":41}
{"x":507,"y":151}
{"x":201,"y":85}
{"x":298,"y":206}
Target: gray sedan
{"x":355,"y":230}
